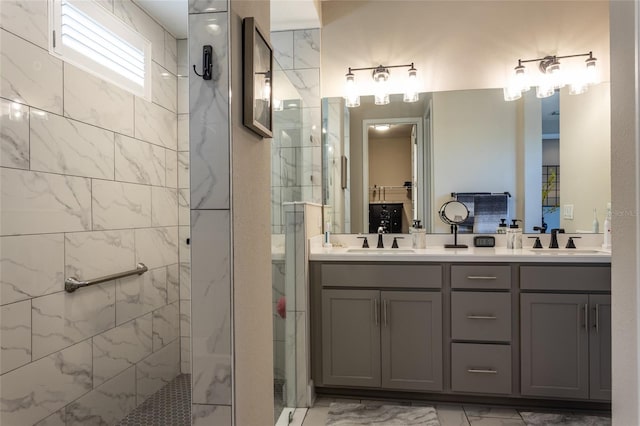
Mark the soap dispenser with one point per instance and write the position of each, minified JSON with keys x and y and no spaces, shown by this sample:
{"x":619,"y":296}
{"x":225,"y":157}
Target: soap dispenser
{"x":418,"y":235}
{"x":502,"y":227}
{"x":514,"y":235}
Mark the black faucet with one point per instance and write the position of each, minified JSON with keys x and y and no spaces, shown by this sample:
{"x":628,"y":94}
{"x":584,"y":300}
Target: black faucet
{"x":554,"y":237}
{"x":380,"y":241}
{"x":542,"y":229}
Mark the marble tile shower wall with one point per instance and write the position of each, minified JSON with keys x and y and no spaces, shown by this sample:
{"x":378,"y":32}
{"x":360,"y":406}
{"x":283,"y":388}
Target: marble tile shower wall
{"x":297,"y":156}
{"x":93,"y":180}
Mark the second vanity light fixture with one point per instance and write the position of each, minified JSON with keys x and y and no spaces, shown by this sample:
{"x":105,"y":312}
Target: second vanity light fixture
{"x":380,"y":77}
{"x":552,"y":77}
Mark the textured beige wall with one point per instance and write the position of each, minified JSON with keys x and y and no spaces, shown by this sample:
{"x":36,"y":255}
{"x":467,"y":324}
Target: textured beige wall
{"x":251,"y":195}
{"x":625,"y":189}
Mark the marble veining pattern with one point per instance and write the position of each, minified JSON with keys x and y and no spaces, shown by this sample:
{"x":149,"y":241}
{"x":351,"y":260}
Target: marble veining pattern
{"x":15,"y":335}
{"x":23,"y":79}
{"x":60,"y":320}
{"x":31,"y":266}
{"x":139,"y":295}
{"x":553,"y":419}
{"x":138,"y":19}
{"x":95,"y":254}
{"x":120,"y":348}
{"x":362,"y":414}
{"x":184,"y":233}
{"x":35,"y":202}
{"x":185,"y":281}
{"x":205,"y":415}
{"x":307,"y":82}
{"x":56,"y":419}
{"x":183,"y":170}
{"x":27,"y":19}
{"x":183,"y":130}
{"x":105,"y":404}
{"x":139,"y":162}
{"x":170,"y":53}
{"x":14,"y":135}
{"x":166,"y":325}
{"x":171,"y":169}
{"x":183,"y":207}
{"x":164,"y":87}
{"x":69,"y":147}
{"x":157,"y":370}
{"x":35,"y":391}
{"x":157,"y":247}
{"x":118,"y":205}
{"x":94,"y":101}
{"x":173,"y":283}
{"x":155,"y":124}
{"x":209,"y":117}
{"x":282,"y":42}
{"x":205,"y":6}
{"x":306,"y":45}
{"x":164,"y":206}
{"x":210,"y":308}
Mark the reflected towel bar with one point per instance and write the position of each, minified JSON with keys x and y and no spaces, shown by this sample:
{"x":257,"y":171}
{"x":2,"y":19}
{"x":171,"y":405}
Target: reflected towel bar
{"x":71,"y":284}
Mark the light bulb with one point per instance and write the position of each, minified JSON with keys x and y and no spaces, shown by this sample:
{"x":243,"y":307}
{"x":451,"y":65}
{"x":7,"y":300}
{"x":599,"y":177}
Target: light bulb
{"x":351,"y":91}
{"x":411,"y":94}
{"x":554,"y":74}
{"x":381,"y":93}
{"x":545,"y":90}
{"x":266,"y":90}
{"x":591,"y":71}
{"x":511,"y":93}
{"x":520,"y":79}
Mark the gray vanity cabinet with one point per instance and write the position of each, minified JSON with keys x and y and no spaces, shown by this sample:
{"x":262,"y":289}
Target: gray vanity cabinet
{"x":388,"y":339}
{"x":351,"y":337}
{"x":411,"y":340}
{"x":566,"y":345}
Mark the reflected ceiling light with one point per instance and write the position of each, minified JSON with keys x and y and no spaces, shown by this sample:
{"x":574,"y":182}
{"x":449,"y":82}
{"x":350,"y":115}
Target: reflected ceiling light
{"x":552,"y":76}
{"x":380,"y":77}
{"x":382,"y":127}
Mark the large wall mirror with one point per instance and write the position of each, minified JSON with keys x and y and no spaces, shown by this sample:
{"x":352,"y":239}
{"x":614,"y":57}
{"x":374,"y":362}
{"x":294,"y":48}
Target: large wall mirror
{"x":551,"y":156}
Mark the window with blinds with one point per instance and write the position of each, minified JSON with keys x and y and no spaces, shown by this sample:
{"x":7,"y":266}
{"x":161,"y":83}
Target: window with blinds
{"x":88,"y":36}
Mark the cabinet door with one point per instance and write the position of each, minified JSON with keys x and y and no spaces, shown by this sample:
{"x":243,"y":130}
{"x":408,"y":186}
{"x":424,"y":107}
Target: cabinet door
{"x":600,"y":347}
{"x":554,"y":346}
{"x":351,"y":337}
{"x":411,"y":340}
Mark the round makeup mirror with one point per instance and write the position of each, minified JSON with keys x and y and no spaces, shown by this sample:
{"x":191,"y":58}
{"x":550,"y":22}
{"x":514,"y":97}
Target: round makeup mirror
{"x":454,"y":213}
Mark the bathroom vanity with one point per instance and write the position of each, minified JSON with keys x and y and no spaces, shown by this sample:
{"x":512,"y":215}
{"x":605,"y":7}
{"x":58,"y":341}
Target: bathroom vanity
{"x":463,"y":324}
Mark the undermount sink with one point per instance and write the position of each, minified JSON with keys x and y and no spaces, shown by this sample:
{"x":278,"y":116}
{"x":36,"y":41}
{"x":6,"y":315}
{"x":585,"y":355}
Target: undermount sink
{"x":380,"y":251}
{"x":564,"y":252}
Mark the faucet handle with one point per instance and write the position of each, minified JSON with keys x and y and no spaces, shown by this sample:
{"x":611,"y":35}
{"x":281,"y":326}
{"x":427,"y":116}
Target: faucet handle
{"x":365,"y":243}
{"x":537,"y":244}
{"x":570,"y":243}
{"x":395,"y":242}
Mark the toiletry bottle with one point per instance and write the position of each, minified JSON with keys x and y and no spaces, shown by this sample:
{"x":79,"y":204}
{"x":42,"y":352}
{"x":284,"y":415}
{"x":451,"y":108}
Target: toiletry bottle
{"x":502,"y":227}
{"x":418,"y":235}
{"x":327,"y":235}
{"x":596,"y":225}
{"x":514,"y":235}
{"x":607,"y":230}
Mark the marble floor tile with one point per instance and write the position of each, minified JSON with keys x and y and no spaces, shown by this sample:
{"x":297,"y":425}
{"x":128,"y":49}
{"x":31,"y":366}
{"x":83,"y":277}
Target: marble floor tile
{"x":316,"y":416}
{"x":451,"y":415}
{"x":564,"y":419}
{"x":361,"y":414}
{"x":487,"y":411}
{"x":495,"y":421}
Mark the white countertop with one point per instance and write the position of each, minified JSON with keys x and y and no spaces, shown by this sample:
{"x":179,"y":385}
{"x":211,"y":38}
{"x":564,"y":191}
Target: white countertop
{"x":353,"y":253}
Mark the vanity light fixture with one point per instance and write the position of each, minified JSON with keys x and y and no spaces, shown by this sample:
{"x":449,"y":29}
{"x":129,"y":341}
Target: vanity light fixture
{"x":380,"y":75}
{"x":552,"y":76}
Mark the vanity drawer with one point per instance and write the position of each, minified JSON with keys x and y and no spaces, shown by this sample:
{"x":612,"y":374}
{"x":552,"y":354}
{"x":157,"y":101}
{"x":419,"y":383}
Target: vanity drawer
{"x":406,"y":275}
{"x":481,"y":368}
{"x":578,"y":278}
{"x":481,"y":276}
{"x":481,"y":316}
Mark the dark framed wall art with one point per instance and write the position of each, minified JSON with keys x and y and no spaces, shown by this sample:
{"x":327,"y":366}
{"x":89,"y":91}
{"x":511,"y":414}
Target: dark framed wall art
{"x":257,"y":79}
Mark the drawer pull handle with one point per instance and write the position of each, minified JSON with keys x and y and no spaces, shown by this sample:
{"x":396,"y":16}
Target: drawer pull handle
{"x":481,"y":277}
{"x":481,"y":317}
{"x":481,"y":371}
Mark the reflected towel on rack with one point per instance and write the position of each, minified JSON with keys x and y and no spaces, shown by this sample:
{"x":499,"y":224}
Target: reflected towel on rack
{"x":468,"y":199}
{"x":488,"y":210}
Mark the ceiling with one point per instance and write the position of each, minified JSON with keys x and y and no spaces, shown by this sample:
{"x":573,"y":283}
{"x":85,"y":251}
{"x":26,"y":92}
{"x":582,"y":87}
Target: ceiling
{"x":285,"y":14}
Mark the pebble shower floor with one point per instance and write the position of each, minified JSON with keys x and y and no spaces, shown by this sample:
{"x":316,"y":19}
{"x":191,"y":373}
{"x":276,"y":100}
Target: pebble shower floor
{"x":170,"y":406}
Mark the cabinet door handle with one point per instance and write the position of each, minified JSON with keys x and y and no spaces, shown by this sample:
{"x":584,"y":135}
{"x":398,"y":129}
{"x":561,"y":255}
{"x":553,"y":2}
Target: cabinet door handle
{"x":481,"y":277}
{"x":482,"y":371}
{"x":385,"y":312}
{"x":375,"y":311}
{"x":586,"y":317}
{"x":482,"y":317}
{"x":597,"y":324}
